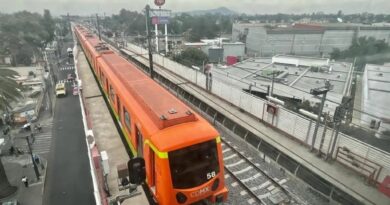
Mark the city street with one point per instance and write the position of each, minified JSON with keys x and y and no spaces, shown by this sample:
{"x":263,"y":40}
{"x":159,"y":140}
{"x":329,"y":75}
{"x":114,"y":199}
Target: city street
{"x":68,"y":178}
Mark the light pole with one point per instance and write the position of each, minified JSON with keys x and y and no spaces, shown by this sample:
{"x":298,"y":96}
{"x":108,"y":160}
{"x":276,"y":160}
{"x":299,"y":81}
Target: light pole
{"x":147,"y":11}
{"x":32,"y":158}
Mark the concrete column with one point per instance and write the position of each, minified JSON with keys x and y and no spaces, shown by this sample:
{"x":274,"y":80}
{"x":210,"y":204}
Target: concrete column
{"x":156,"y":31}
{"x":166,"y":38}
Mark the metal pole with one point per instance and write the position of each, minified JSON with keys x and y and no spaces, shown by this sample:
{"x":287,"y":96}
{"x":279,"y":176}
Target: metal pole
{"x":273,"y":79}
{"x":318,"y":121}
{"x":268,"y":90}
{"x":323,"y":135}
{"x":166,"y":39}
{"x":98,"y":26}
{"x":32,"y":158}
{"x":335,"y":140}
{"x":156,"y":31}
{"x":147,"y":11}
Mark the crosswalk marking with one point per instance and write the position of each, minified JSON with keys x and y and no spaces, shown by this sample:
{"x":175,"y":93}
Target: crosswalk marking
{"x":65,"y":81}
{"x":67,"y":68}
{"x":42,"y":142}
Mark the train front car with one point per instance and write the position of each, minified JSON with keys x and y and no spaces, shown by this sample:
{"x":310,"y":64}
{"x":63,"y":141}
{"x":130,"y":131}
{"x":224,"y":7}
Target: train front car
{"x":182,"y":151}
{"x":189,"y":164}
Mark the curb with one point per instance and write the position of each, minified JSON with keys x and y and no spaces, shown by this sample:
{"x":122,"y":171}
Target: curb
{"x":44,"y":180}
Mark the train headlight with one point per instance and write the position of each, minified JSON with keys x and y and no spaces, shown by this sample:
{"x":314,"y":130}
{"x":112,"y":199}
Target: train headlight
{"x":215,"y":184}
{"x":181,"y":198}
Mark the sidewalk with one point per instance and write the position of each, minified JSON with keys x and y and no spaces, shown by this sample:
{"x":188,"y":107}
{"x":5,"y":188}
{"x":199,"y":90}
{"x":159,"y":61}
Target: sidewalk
{"x":15,"y":169}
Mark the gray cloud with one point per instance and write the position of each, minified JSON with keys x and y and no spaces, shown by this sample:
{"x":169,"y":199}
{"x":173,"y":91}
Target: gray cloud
{"x":85,"y":7}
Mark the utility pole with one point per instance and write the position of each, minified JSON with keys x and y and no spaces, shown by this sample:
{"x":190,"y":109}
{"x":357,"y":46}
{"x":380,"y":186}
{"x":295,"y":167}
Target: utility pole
{"x":273,"y":79}
{"x":98,"y":26}
{"x":147,"y":11}
{"x":32,"y":158}
{"x":319,"y":91}
{"x":338,"y":116}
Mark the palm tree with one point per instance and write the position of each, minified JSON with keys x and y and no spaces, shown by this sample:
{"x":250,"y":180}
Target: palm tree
{"x":9,"y":90}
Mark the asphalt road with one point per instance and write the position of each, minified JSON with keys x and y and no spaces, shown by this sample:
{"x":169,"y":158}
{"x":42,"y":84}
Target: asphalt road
{"x":68,"y":178}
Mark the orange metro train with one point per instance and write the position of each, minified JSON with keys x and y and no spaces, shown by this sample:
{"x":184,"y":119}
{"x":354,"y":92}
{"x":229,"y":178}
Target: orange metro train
{"x":182,"y":151}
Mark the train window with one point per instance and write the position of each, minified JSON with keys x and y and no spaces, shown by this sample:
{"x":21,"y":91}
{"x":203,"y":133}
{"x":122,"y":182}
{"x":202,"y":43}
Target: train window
{"x":194,"y":165}
{"x":112,"y":94}
{"x":118,"y":107}
{"x":127,"y":119}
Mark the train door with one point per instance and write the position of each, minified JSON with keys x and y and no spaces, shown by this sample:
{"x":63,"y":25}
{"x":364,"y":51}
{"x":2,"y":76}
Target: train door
{"x":152,"y":170}
{"x":140,"y":142}
{"x":118,"y":106}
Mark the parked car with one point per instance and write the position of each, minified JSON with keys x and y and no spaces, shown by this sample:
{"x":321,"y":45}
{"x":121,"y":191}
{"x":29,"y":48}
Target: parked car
{"x":60,"y":89}
{"x":75,"y":90}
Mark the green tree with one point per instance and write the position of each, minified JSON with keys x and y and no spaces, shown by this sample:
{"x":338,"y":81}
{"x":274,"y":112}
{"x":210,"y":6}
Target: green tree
{"x":8,"y":92}
{"x":9,"y":88}
{"x":22,"y":35}
{"x":48,"y":24}
{"x":191,"y":56}
{"x":364,"y":50}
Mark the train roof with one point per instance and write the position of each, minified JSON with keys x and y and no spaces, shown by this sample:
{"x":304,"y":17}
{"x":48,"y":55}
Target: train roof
{"x":163,"y":108}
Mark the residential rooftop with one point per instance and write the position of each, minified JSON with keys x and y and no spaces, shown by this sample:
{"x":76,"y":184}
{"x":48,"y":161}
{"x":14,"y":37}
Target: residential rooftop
{"x":295,"y":76}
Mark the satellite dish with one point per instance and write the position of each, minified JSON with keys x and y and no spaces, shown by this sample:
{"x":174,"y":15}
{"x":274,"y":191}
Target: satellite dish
{"x":340,"y":20}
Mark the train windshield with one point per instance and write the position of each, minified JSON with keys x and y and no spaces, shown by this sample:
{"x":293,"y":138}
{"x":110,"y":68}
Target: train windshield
{"x":194,"y":165}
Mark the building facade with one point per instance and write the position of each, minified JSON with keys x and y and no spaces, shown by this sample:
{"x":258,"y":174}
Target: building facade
{"x":303,"y":39}
{"x":376,"y":98}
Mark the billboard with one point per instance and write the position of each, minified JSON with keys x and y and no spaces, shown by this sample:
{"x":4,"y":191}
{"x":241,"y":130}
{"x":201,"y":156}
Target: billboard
{"x":160,"y":20}
{"x":159,"y":2}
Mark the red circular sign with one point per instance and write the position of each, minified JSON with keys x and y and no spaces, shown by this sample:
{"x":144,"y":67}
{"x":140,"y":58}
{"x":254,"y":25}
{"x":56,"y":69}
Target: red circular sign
{"x":159,"y":2}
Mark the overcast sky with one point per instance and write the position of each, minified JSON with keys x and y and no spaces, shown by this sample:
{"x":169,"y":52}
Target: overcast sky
{"x":242,"y":6}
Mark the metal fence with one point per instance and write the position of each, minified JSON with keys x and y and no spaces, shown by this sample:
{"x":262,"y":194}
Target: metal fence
{"x":293,"y":124}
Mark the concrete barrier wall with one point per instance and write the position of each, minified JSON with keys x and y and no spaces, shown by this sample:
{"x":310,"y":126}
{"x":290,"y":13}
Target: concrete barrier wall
{"x":295,"y":125}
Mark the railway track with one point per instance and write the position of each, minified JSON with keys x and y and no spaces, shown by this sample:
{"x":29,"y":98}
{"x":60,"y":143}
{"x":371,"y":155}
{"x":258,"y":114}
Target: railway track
{"x":257,"y":183}
{"x":257,"y":186}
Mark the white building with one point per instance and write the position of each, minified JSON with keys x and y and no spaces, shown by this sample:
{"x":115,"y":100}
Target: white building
{"x":296,"y":76}
{"x":303,"y":39}
{"x":376,"y":97}
{"x":219,"y":49}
